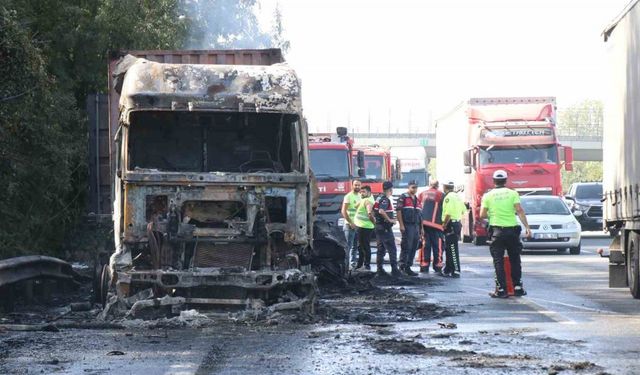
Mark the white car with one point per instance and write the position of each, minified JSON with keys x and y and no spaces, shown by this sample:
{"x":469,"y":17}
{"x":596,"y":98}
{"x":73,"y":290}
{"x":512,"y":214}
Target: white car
{"x":553,"y":226}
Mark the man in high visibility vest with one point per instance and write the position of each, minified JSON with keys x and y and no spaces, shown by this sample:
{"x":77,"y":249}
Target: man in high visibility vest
{"x":349,"y":204}
{"x":501,"y":205}
{"x":385,"y":219}
{"x":452,"y":211}
{"x":364,"y":222}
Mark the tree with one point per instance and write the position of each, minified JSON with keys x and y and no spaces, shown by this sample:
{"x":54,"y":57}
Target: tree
{"x":431,"y":168}
{"x":277,"y":32}
{"x":223,"y":24}
{"x":583,"y":171}
{"x":38,"y":147}
{"x":582,"y":119}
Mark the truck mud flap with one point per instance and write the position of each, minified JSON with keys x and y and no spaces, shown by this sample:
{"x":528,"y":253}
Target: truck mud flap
{"x":617,"y":265}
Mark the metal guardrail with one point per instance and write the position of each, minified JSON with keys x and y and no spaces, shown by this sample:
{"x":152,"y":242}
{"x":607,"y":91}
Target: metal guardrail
{"x":18,"y":269}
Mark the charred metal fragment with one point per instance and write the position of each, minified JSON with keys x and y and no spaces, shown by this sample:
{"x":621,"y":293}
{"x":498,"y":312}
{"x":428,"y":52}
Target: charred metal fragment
{"x":13,"y":270}
{"x":328,"y":253}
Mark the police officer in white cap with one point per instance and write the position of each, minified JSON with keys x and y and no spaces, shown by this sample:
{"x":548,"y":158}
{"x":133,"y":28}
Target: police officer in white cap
{"x":501,"y":205}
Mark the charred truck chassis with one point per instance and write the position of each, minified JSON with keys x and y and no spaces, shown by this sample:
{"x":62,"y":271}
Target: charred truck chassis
{"x":212,"y":202}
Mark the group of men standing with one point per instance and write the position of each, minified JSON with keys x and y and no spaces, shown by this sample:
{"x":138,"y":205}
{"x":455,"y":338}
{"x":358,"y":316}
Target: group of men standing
{"x":426,"y":221}
{"x":433,"y":218}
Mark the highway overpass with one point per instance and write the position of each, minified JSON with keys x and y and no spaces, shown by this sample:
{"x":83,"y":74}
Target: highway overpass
{"x":586,"y":148}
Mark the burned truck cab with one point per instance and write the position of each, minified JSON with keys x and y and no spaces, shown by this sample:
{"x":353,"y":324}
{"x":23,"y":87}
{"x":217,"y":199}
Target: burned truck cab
{"x":211,"y":195}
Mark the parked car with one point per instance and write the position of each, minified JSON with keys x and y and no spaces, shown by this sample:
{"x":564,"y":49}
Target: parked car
{"x":587,"y":198}
{"x":553,"y":225}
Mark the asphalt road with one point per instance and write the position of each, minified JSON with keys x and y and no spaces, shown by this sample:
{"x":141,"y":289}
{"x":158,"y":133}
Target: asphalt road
{"x":568,"y":298}
{"x":569,"y":323}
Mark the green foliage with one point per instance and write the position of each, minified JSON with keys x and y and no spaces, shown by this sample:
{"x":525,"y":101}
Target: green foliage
{"x":583,"y":171}
{"x":223,"y":24}
{"x":39,"y":161}
{"x":431,"y":168}
{"x":582,"y":119}
{"x":277,"y":32}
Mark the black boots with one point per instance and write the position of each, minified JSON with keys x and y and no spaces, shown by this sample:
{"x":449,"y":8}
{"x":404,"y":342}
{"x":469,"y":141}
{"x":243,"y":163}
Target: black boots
{"x":519,"y":291}
{"x":409,"y":272}
{"x":381,"y":272}
{"x":499,"y":293}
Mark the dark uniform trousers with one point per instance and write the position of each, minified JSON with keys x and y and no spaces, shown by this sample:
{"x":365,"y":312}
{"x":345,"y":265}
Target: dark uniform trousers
{"x":452,"y":236}
{"x":386,"y":243}
{"x":433,"y":239}
{"x":506,"y":238}
{"x":409,"y":244}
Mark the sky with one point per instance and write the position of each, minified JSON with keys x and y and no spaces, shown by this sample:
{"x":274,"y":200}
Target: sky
{"x":380,"y":65}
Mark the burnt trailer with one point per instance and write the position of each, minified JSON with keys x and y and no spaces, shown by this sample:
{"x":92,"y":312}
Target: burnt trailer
{"x":212,"y":190}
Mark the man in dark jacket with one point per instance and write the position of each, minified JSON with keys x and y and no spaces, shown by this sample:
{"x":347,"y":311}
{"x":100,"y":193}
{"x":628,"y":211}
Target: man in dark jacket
{"x":408,"y":209}
{"x":433,"y":244}
{"x":385,"y":219}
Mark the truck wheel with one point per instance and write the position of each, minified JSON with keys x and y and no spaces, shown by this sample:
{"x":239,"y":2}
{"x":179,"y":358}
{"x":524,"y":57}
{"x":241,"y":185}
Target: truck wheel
{"x":633,"y":264}
{"x":479,"y":240}
{"x":575,"y":250}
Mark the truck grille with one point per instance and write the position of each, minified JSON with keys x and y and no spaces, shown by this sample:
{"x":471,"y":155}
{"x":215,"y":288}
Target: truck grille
{"x":594,"y":211}
{"x":223,"y":255}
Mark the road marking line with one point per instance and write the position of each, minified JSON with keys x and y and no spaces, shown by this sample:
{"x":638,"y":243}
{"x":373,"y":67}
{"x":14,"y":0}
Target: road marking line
{"x":600,"y":311}
{"x":553,"y":315}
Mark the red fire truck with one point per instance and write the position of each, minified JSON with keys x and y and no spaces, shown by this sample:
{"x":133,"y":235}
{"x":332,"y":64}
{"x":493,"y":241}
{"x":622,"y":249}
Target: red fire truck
{"x":377,"y":164}
{"x":330,"y":155}
{"x":517,"y":135}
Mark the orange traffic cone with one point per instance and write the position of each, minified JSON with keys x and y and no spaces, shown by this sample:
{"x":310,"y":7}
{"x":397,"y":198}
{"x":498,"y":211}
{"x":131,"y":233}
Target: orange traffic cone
{"x":507,"y":274}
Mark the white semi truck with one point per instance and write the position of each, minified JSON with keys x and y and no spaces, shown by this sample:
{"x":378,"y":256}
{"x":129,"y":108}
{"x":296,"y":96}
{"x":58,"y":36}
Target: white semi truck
{"x":621,"y":149}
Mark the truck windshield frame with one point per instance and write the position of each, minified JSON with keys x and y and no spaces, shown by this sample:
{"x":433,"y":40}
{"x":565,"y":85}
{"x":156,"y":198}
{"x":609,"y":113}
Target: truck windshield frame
{"x":373,"y":165}
{"x":524,"y":154}
{"x":418,"y":176}
{"x":203,"y":142}
{"x":330,"y":164}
